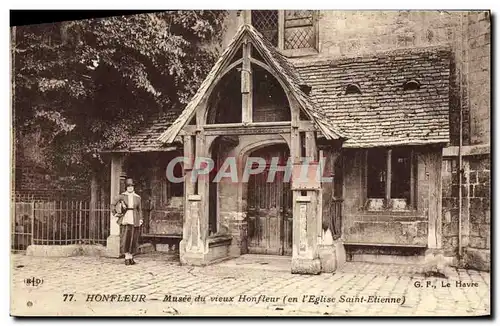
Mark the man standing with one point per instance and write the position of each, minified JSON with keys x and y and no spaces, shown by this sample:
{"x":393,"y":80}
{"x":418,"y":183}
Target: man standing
{"x":130,"y":222}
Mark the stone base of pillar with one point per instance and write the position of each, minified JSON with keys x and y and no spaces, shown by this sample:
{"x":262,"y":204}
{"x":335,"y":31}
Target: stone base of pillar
{"x":306,"y":266}
{"x":191,"y":258}
{"x":340,"y":254}
{"x":238,"y":229}
{"x":436,"y":264}
{"x":113,"y":246}
{"x":328,"y":258}
{"x":430,"y":253}
{"x":218,"y":249}
{"x":479,"y":259}
{"x":234,"y":250}
{"x":332,"y":256}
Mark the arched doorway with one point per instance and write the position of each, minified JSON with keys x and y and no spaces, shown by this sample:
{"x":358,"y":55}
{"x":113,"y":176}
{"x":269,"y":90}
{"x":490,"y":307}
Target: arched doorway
{"x":269,"y":206}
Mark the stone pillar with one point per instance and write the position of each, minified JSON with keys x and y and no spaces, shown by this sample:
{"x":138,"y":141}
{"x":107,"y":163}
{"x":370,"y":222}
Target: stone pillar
{"x":305,"y":256}
{"x":113,"y":241}
{"x":232,"y":214}
{"x":307,"y":208}
{"x":194,"y":245}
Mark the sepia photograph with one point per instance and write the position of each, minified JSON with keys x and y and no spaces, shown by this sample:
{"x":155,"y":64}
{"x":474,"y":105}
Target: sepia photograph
{"x":251,"y":162}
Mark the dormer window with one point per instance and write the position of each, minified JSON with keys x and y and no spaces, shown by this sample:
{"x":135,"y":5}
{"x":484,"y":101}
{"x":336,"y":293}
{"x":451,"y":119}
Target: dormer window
{"x":292,"y":31}
{"x":411,"y":85}
{"x":352,"y":89}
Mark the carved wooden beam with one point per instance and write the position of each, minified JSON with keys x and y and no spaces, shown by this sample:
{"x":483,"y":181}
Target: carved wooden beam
{"x":245,"y":130}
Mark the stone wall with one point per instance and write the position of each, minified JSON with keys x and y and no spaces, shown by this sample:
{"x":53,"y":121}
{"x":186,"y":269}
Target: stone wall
{"x":353,"y":33}
{"x":36,"y":183}
{"x":479,"y":59}
{"x":450,"y":207}
{"x":476,"y":213}
{"x":34,"y":179}
{"x":479,"y":181}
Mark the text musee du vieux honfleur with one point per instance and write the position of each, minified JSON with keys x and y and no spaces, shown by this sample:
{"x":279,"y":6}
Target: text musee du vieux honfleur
{"x":253,"y":299}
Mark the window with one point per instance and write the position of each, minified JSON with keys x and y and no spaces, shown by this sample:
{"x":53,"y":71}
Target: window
{"x":376,"y":173}
{"x":411,"y":85}
{"x":299,"y":29}
{"x":352,"y":89}
{"x":287,"y":29}
{"x":400,"y":174}
{"x":390,"y":176}
{"x":266,"y":22}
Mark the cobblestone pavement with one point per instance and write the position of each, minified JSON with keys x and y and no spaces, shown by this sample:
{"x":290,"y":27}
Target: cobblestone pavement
{"x":69,"y":284}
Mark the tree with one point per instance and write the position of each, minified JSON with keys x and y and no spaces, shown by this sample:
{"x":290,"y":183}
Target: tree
{"x":81,"y":86}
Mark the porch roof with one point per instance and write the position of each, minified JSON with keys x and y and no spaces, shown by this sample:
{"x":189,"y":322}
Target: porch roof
{"x":146,"y":140}
{"x":281,"y":66}
{"x":384,"y":114}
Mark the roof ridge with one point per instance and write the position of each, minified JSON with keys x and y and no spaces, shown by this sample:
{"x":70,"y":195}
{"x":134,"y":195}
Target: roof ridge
{"x":308,"y":61}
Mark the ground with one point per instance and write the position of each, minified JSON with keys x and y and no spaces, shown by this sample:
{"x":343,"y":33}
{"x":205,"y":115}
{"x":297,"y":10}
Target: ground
{"x":257,"y":285}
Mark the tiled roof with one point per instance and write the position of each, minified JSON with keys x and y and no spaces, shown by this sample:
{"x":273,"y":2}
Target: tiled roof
{"x":146,"y":140}
{"x":384,"y":114}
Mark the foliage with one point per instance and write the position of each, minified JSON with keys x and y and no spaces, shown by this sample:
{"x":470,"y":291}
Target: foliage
{"x":87,"y":85}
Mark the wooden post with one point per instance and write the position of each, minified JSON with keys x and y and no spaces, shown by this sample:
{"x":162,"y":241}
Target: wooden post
{"x":388,"y":177}
{"x":188,"y":186}
{"x":113,"y":241}
{"x":193,"y":247}
{"x":188,"y":165}
{"x":295,"y":145}
{"x":246,"y":84}
{"x":116,"y":173}
{"x":202,"y":152}
{"x":412,"y":200}
{"x":307,"y":213}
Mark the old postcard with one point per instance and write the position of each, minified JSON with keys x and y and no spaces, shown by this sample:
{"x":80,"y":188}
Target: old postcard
{"x":252,"y":163}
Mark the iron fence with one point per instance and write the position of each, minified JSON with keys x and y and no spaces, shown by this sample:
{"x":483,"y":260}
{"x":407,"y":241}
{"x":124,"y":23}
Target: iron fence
{"x":59,"y":223}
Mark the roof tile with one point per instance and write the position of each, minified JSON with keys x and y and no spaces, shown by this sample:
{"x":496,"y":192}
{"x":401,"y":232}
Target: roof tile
{"x":384,"y":114}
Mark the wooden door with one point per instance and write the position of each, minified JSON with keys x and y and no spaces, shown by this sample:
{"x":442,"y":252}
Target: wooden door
{"x":269,"y":213}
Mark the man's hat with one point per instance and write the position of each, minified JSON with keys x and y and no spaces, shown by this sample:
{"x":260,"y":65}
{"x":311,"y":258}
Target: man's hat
{"x":129,"y":182}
